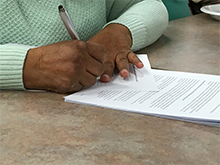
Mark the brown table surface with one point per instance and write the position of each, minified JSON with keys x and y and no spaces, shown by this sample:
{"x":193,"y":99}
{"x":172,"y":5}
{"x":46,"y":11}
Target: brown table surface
{"x":39,"y":128}
{"x":191,"y":44}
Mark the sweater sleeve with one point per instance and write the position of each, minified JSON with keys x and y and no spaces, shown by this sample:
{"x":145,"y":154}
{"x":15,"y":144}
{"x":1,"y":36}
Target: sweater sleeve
{"x":11,"y":66}
{"x":146,"y":20}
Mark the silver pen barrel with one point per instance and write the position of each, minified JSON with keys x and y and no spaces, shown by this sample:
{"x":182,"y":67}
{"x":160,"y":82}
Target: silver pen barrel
{"x":68,"y":23}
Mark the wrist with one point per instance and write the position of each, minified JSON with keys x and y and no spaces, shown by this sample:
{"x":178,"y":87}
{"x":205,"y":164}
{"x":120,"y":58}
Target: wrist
{"x":114,"y":37}
{"x":121,"y":30}
{"x":30,"y":77}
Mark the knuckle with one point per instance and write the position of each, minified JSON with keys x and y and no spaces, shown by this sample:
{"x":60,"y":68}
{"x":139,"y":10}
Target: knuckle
{"x":109,"y":64}
{"x":99,"y":72}
{"x":67,"y":80}
{"x":66,"y":47}
{"x":73,"y":47}
{"x":71,"y":87}
{"x":91,"y":82}
{"x":80,"y":44}
{"x":66,"y":83}
{"x":123,"y":59}
{"x":132,"y":56}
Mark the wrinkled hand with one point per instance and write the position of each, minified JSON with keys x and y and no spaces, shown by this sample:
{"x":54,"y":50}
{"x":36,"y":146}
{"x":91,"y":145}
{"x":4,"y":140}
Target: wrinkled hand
{"x":63,"y":67}
{"x":117,"y":40}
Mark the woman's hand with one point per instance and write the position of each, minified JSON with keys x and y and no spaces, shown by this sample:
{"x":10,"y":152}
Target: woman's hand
{"x":63,"y":67}
{"x":116,"y":38}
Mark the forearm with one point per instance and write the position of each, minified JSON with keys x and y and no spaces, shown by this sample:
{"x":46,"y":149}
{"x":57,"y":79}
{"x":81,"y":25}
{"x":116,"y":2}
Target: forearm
{"x":146,"y":21}
{"x":11,"y":66}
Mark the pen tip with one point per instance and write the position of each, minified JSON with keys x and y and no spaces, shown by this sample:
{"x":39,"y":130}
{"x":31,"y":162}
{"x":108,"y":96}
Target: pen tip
{"x":60,"y":7}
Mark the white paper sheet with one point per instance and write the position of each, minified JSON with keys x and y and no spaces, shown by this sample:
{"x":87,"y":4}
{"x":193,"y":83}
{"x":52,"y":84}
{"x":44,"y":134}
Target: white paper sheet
{"x":183,"y":96}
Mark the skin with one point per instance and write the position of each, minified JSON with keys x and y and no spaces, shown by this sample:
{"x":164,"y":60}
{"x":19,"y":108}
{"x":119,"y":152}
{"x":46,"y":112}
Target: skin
{"x":68,"y":66}
{"x":117,"y":40}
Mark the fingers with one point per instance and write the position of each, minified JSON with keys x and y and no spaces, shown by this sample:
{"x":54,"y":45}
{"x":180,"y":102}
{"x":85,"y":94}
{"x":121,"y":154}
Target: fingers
{"x":90,"y":67}
{"x":93,"y":66}
{"x":96,"y":51}
{"x":108,"y":70}
{"x":123,"y":60}
{"x":135,"y":60}
{"x":68,"y":84}
{"x":87,"y":79}
{"x":75,"y":86}
{"x":122,"y":63}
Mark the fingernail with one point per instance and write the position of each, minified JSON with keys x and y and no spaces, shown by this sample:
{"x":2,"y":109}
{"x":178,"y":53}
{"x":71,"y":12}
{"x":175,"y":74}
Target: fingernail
{"x":105,"y":76}
{"x":124,"y":70}
{"x":139,"y":65}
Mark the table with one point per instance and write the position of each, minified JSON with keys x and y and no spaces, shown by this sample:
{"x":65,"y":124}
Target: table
{"x":191,"y":44}
{"x":39,"y":128}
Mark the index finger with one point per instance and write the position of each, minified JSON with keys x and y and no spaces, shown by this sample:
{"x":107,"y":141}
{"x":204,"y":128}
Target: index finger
{"x":96,"y":51}
{"x":124,"y":59}
{"x":122,"y":63}
{"x":133,"y":58}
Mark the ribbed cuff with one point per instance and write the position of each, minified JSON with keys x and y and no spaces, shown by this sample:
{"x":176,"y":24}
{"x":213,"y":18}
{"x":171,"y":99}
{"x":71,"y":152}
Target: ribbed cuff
{"x":11,"y":66}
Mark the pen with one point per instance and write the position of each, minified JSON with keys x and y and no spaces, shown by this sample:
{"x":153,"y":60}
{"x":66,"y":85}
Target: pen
{"x":68,"y":23}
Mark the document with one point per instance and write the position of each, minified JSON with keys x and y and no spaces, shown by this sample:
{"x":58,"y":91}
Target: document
{"x":178,"y":95}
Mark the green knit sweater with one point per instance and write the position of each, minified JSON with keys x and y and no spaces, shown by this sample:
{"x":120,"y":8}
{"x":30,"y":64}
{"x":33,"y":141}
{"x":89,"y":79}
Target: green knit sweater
{"x":30,"y":23}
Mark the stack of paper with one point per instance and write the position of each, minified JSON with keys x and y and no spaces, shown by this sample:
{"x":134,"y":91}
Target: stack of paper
{"x":177,"y":95}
